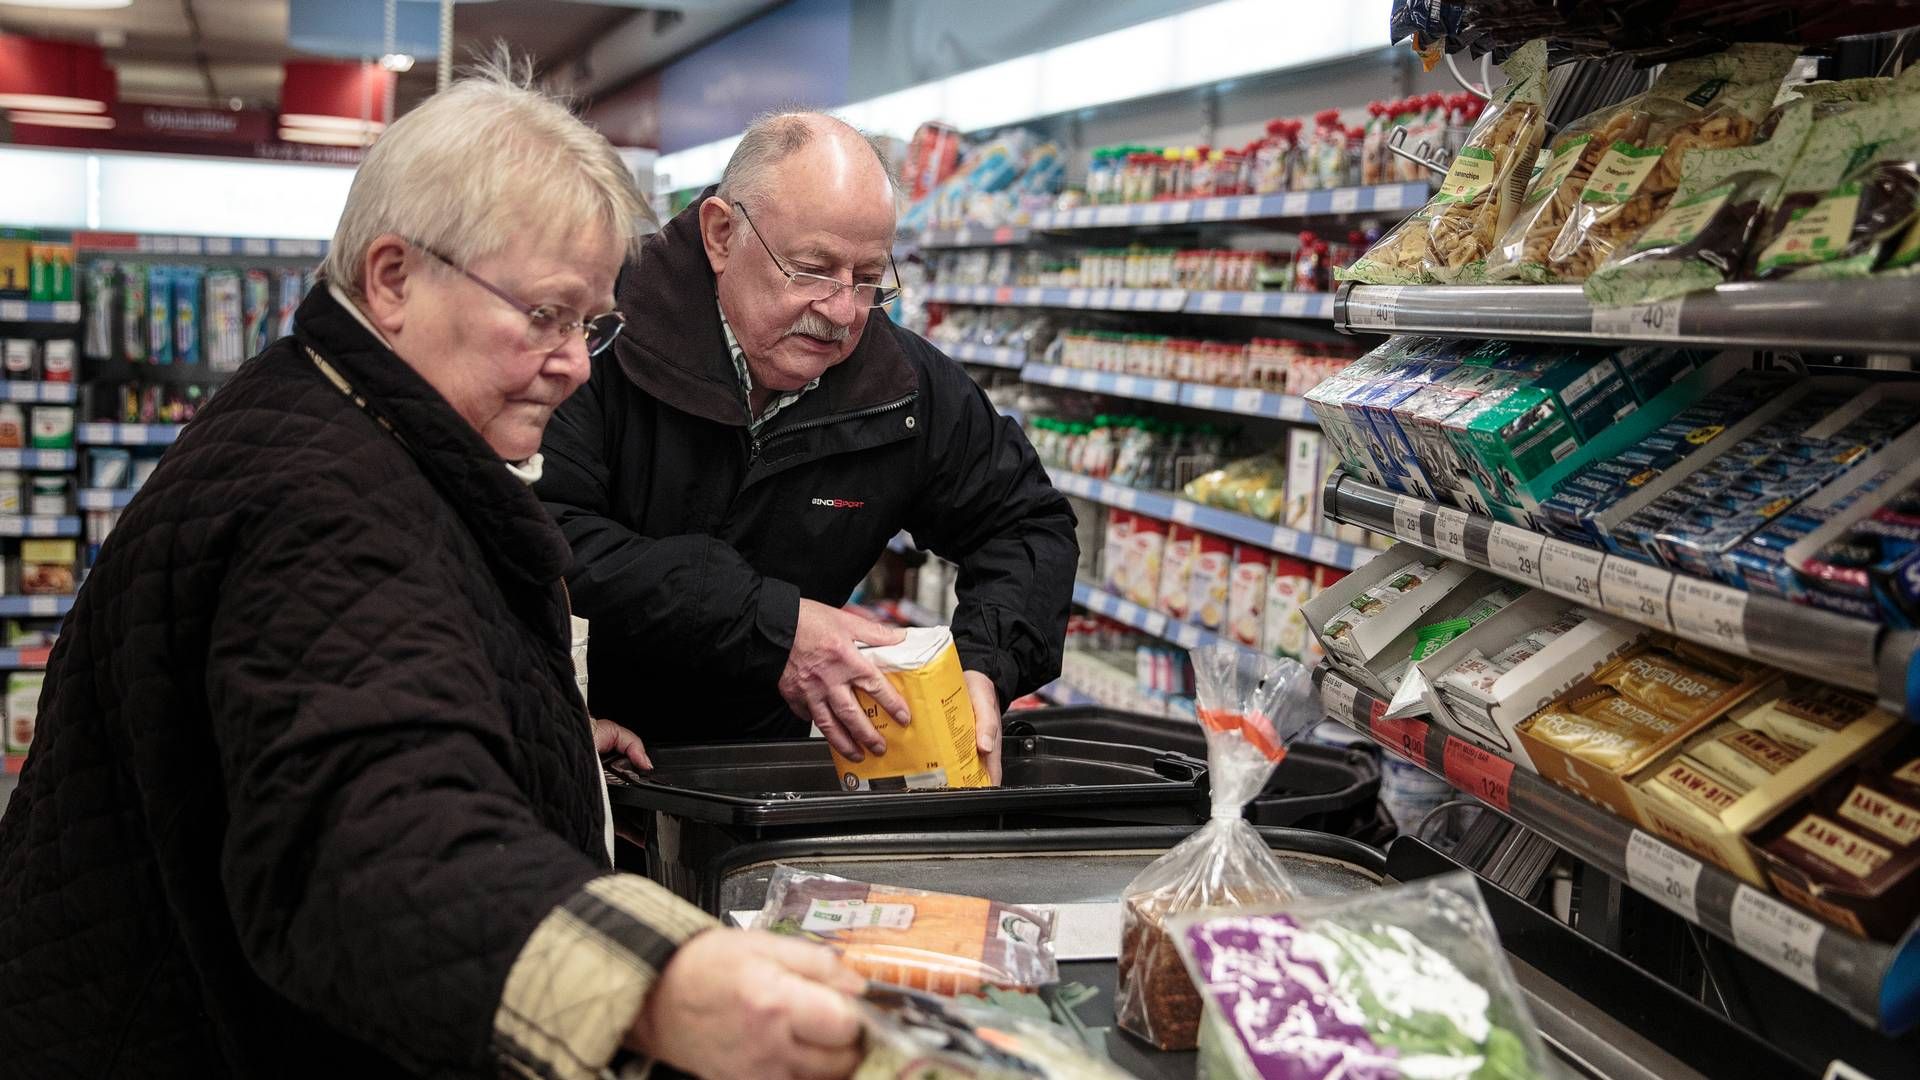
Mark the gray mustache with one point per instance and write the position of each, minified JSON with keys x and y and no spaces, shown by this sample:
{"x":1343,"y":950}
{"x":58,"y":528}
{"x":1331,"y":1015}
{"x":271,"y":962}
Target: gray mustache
{"x":814,"y":326}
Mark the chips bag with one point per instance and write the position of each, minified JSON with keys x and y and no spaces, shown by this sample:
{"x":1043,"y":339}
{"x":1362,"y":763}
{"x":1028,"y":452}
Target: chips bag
{"x":1705,"y":103}
{"x":1449,"y":238}
{"x":1835,"y":151}
{"x":1250,"y":707}
{"x":1554,"y":192}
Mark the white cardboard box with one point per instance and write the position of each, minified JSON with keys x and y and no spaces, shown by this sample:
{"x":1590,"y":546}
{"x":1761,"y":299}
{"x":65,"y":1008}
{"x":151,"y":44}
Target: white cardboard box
{"x":1368,"y":641}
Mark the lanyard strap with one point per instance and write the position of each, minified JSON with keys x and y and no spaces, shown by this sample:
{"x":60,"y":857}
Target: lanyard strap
{"x":346,"y":388}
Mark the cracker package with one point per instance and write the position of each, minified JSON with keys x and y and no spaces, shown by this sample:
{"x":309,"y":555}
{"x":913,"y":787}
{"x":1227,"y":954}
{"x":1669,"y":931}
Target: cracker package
{"x":1521,"y":254}
{"x":1250,"y":707}
{"x":1706,"y":103}
{"x":1448,"y":240}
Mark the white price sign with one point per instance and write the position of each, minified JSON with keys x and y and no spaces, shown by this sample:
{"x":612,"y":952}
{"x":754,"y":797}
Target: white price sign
{"x":1165,"y":392}
{"x":1777,"y":934}
{"x":1212,"y":302}
{"x":1406,"y":518}
{"x":1183,"y":512}
{"x":1665,"y":873}
{"x":1076,"y":298}
{"x":1450,"y":532}
{"x":1658,"y":320}
{"x":1515,"y":551}
{"x":1346,"y":200}
{"x":1708,"y":609}
{"x":1336,"y":696}
{"x":1123,"y":497}
{"x":1125,"y":386}
{"x":1247,"y":401}
{"x":1206,"y":397}
{"x":1373,"y":308}
{"x":1570,"y":571}
{"x":1636,"y":590}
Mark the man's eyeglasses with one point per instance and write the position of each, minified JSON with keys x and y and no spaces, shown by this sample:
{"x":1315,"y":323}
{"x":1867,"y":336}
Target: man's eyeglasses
{"x":548,"y":325}
{"x":817,"y":287}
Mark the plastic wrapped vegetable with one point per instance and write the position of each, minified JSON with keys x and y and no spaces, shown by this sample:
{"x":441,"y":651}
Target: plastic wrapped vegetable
{"x":919,"y":1037}
{"x":909,"y":937}
{"x":1449,"y":238}
{"x":1521,"y":254}
{"x":1408,"y":982}
{"x":1250,"y":707}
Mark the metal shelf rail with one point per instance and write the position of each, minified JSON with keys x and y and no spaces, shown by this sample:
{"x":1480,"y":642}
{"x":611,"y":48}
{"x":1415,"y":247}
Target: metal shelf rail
{"x":1878,"y":984}
{"x":1876,"y":315}
{"x":1248,"y":530}
{"x":1267,"y":305}
{"x":1242,"y":401}
{"x":40,"y":311}
{"x":1820,"y":644}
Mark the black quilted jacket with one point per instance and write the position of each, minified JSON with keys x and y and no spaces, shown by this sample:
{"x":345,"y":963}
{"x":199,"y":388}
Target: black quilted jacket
{"x":311,"y":766}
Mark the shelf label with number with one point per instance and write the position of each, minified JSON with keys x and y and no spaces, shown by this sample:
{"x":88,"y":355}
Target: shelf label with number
{"x":1406,"y":518}
{"x":1165,"y":392}
{"x":1658,"y":320}
{"x":1336,"y":698}
{"x":1484,"y":775}
{"x":1206,"y":397}
{"x":1710,"y":610}
{"x":1247,"y":401}
{"x":1183,"y":511}
{"x":1212,"y":302}
{"x":1514,"y":551}
{"x":1665,"y":873}
{"x":1777,"y":934}
{"x":1126,"y":386}
{"x":1450,"y":532}
{"x":1636,"y":590}
{"x":1373,"y":308}
{"x":1408,"y":738}
{"x":1346,"y":200}
{"x":1571,"y":571}
{"x":1123,"y":497}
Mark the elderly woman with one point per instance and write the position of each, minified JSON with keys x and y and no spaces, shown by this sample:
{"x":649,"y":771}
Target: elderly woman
{"x":314,"y":792}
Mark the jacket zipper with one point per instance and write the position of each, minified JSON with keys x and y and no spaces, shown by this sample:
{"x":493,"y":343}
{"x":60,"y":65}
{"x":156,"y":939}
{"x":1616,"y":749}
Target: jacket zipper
{"x":862,"y":414}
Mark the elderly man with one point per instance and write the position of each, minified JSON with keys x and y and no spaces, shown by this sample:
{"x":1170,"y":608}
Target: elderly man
{"x":738,"y":461}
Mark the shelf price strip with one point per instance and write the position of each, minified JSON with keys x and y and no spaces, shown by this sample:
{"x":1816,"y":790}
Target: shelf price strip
{"x":1664,"y":873}
{"x":1770,"y":930}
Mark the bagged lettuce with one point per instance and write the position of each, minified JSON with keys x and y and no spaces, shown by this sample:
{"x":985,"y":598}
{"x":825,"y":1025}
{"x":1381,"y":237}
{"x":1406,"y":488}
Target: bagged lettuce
{"x":1554,"y":192}
{"x":1449,"y":238}
{"x":1408,"y":982}
{"x":1710,"y":102}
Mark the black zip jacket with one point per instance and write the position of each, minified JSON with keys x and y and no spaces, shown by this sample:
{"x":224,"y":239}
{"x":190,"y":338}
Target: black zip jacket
{"x":693,"y":542}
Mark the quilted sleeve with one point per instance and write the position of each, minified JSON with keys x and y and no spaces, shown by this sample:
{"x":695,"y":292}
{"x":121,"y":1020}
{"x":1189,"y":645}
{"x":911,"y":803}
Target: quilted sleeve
{"x":382,"y":866}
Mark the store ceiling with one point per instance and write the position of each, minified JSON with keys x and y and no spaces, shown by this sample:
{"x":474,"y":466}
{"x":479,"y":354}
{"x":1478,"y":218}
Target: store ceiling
{"x":210,"y":52}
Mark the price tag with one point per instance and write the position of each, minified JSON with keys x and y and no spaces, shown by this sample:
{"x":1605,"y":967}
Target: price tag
{"x":1483,"y":775}
{"x":1406,"y":518}
{"x":1294,"y":305}
{"x":1183,"y":512}
{"x":1286,"y":540}
{"x":1101,"y":298}
{"x":217,"y":245}
{"x":1346,"y":200}
{"x":1124,"y":299}
{"x":1076,"y":298}
{"x":1373,"y":308}
{"x":1112,"y":215}
{"x":1212,"y":302}
{"x":1450,"y":532}
{"x":1571,"y":571}
{"x":1390,"y":197}
{"x":1179,"y":211}
{"x":1126,"y":386}
{"x":1206,"y":397}
{"x":1514,"y":551}
{"x":1777,"y":934}
{"x":1215,"y":210}
{"x":1710,"y":610}
{"x":1337,"y":697}
{"x":1123,"y":497}
{"x":1636,"y":590}
{"x":1295,"y":203}
{"x":1665,"y":873}
{"x":1247,"y":401}
{"x":1324,"y":550}
{"x":1152,"y":622}
{"x":13,"y":310}
{"x":1247,"y":208}
{"x":962,"y":237}
{"x":1658,"y":320}
{"x":255,"y":247}
{"x":1408,"y":738}
{"x":1154,"y":215}
{"x":1164,"y":391}
{"x":1088,"y":381}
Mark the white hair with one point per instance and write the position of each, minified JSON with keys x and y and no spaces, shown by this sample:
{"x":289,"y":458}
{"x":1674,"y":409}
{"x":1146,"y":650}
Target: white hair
{"x":477,"y":163}
{"x":775,"y":136}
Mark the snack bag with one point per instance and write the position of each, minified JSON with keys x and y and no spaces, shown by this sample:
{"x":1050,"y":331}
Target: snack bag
{"x":1712,"y":102}
{"x":1460,"y":223}
{"x":1704,"y":237}
{"x":920,"y":1037}
{"x":1250,"y":707}
{"x":1521,"y":254}
{"x":1406,"y":982}
{"x":933,"y":941}
{"x":1864,"y":221}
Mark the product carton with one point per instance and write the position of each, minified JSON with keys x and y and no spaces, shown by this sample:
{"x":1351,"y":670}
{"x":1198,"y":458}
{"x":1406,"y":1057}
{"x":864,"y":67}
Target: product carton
{"x":1212,"y":577}
{"x":1288,"y":588}
{"x":1367,"y":640}
{"x":1385,"y":440}
{"x":1146,"y":548}
{"x":937,"y":750}
{"x":1176,"y":571}
{"x":1247,"y":596}
{"x":46,"y":567}
{"x":1308,"y":464}
{"x":1328,"y":401}
{"x":23,"y":706}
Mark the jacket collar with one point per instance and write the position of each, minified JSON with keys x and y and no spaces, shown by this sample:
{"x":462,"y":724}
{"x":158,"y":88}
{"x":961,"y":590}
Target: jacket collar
{"x":674,"y":350}
{"x":504,"y":516}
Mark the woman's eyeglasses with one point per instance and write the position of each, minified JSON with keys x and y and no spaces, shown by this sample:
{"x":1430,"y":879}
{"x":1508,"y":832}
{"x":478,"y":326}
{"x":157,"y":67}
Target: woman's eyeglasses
{"x":548,"y":325}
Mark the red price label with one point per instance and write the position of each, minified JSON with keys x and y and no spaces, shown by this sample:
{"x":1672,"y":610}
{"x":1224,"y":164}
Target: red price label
{"x":1477,"y":772}
{"x":1375,"y":710}
{"x":1408,"y":738}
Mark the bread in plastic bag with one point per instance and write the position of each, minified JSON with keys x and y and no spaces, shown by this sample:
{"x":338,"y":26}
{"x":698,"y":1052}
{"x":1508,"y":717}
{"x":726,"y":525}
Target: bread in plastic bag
{"x":913,"y":1036}
{"x":1403,"y":982}
{"x":941,"y":942}
{"x":1710,"y":102}
{"x":1554,"y":191}
{"x":1449,"y":238}
{"x":1250,"y":707}
{"x":1705,"y":236}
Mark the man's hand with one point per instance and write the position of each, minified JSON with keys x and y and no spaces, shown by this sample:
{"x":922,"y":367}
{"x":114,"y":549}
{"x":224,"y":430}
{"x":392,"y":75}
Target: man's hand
{"x":744,"y":1005}
{"x":824,"y":667}
{"x":986,"y":720}
{"x":609,"y":736}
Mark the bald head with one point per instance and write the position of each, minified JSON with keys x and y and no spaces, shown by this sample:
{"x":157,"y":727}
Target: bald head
{"x":808,"y":154}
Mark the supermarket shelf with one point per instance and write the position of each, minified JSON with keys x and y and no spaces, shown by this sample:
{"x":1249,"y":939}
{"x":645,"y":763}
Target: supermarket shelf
{"x":1874,"y":315}
{"x":1820,"y":644}
{"x":1149,"y":622}
{"x":1243,"y":402}
{"x":127,"y":434}
{"x":39,"y":460}
{"x":975,"y":236}
{"x":1852,"y":972}
{"x":250,"y":246}
{"x":1269,"y":305}
{"x":1285,"y":204}
{"x":35,"y":607}
{"x":13,"y":763}
{"x":105,"y":498}
{"x":20,"y":525}
{"x":38,"y":393}
{"x":1248,"y":530}
{"x":1060,"y":693}
{"x":33,"y":659}
{"x":40,"y":311}
{"x":1000,"y":356}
